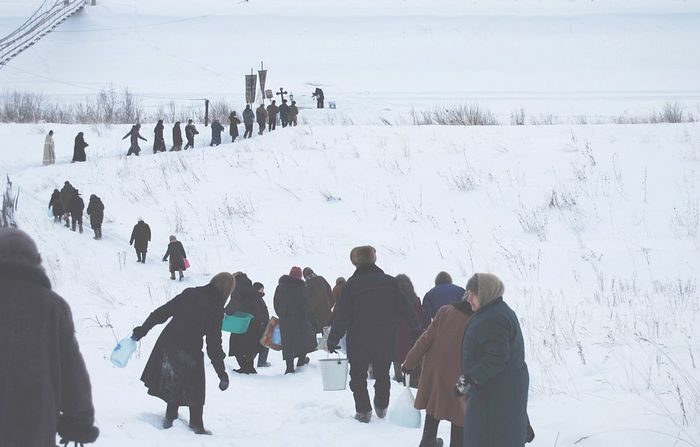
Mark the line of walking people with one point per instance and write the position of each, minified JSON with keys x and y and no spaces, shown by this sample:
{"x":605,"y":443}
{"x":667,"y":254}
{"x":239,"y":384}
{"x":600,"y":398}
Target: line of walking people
{"x":68,"y":205}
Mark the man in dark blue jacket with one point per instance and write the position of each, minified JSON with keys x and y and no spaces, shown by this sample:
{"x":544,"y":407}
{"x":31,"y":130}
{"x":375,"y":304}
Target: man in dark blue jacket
{"x":367,"y":311}
{"x":443,"y":293}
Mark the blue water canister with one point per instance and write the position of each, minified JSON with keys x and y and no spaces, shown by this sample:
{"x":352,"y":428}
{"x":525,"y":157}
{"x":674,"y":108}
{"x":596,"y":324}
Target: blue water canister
{"x":122,"y":352}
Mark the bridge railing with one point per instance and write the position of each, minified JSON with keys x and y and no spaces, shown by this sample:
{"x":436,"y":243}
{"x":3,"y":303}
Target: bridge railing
{"x":42,"y":21}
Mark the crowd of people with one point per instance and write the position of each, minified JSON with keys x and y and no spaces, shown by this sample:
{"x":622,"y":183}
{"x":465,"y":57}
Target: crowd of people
{"x":67,"y":205}
{"x":466,"y":343}
{"x":266,"y":118}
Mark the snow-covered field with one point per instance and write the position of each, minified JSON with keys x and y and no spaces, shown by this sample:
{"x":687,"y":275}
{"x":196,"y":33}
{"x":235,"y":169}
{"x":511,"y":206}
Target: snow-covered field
{"x":595,"y":230}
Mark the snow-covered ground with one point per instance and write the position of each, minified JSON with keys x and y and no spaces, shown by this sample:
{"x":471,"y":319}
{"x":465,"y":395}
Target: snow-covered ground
{"x":604,"y":279}
{"x":595,"y":230}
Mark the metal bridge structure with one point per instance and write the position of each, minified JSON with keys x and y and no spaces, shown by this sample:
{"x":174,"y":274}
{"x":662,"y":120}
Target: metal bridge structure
{"x":48,"y":16}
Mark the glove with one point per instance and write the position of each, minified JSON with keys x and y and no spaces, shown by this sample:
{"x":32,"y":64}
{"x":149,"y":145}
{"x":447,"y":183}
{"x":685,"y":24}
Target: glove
{"x":463,"y":385}
{"x":223,"y":384}
{"x":165,"y":259}
{"x":70,"y":431}
{"x":138,"y":333}
{"x":332,"y":347}
{"x":406,"y":370}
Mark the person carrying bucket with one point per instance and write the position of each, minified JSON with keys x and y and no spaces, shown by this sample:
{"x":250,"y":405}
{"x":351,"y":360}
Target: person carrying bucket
{"x":368,"y":312}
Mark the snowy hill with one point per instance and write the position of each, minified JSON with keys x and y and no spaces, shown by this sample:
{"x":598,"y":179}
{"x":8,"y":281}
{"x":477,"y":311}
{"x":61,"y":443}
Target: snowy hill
{"x":594,"y":230}
{"x":548,"y":56}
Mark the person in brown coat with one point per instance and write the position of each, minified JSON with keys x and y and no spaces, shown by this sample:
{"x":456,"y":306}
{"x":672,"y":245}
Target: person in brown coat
{"x":404,"y":339}
{"x":440,"y":348}
{"x":319,"y":294}
{"x":337,"y":289}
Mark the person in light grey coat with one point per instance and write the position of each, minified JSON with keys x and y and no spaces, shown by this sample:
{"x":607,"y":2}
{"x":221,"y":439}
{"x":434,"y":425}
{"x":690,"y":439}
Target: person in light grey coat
{"x":495,"y":375}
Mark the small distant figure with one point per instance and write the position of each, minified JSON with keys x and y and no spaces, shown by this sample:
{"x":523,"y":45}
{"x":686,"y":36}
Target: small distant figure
{"x":272,"y":116}
{"x":318,"y":94}
{"x":66,"y":196}
{"x":177,"y":137}
{"x":49,"y":153}
{"x":158,"y":139}
{"x":284,"y":113}
{"x":261,"y":117}
{"x":177,"y":255}
{"x":79,"y":148}
{"x":140,"y":237}
{"x":216,"y":129}
{"x":55,"y":205}
{"x":135,"y":137}
{"x":337,"y":290}
{"x":76,"y":211}
{"x":190,"y":132}
{"x":233,"y":125}
{"x":45,"y":386}
{"x":248,"y":120}
{"x":293,"y":114}
{"x":96,"y":211}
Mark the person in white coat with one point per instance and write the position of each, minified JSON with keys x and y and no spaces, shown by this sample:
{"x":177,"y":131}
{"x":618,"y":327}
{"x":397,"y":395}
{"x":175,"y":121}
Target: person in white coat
{"x":49,"y":153}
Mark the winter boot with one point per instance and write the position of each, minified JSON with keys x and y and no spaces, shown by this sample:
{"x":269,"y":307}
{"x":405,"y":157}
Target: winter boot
{"x":290,"y":367}
{"x":200,"y":430}
{"x":181,"y":275}
{"x":381,"y":412}
{"x":303,"y":361}
{"x":80,"y":227}
{"x":168,"y":423}
{"x":364,"y":416}
{"x":143,"y":256}
{"x":172,"y":275}
{"x":97,"y":234}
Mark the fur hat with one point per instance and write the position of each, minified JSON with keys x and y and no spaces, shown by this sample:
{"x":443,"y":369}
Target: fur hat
{"x":295,"y":272}
{"x":16,"y":246}
{"x":365,"y":254}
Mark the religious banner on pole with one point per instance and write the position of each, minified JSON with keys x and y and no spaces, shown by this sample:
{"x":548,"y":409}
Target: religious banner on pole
{"x":250,"y":84}
{"x":262,"y":74}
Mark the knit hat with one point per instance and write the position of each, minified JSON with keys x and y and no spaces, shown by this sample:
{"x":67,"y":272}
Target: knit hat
{"x":295,"y":272}
{"x":16,"y":246}
{"x":365,"y":254}
{"x":172,"y":238}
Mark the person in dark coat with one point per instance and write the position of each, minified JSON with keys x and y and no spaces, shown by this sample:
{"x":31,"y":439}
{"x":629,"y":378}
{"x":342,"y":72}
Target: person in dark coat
{"x":337,"y":290}
{"x":134,"y":140}
{"x":261,"y":118}
{"x":175,"y":370}
{"x":319,"y":294}
{"x":318,"y":94}
{"x":140,"y":237}
{"x":96,"y":211}
{"x":284,"y":113}
{"x":233,"y":122}
{"x":248,"y":120}
{"x":177,"y":137}
{"x":190,"y":132}
{"x":76,"y":211}
{"x":264,"y":351}
{"x":443,"y":293}
{"x":177,"y":255}
{"x":272,"y":116}
{"x":296,"y":319}
{"x":495,"y":375}
{"x":158,"y":139}
{"x":216,"y":129}
{"x":66,"y":196}
{"x":405,"y":337}
{"x":367,"y":311}
{"x":44,"y":385}
{"x":246,"y":346}
{"x":293,"y":114}
{"x":56,"y":206}
{"x":79,"y":148}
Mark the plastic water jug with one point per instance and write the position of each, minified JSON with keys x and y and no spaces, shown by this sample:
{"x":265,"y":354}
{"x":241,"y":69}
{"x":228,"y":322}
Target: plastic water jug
{"x":122,"y":352}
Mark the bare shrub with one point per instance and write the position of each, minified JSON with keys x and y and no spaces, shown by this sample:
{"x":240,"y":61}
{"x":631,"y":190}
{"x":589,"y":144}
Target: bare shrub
{"x":517,"y":117}
{"x":463,"y":115}
{"x":534,"y":221}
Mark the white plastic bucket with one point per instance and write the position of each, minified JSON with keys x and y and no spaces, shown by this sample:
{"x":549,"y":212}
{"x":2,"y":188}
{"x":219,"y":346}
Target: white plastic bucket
{"x":334,"y":373}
